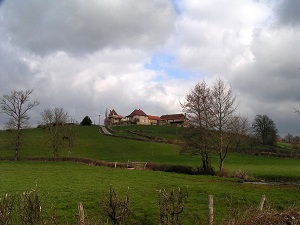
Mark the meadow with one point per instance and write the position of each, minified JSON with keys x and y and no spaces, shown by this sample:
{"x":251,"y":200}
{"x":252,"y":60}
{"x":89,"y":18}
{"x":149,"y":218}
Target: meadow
{"x":63,"y":185}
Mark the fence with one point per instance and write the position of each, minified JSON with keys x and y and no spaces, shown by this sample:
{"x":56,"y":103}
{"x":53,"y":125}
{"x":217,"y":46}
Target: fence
{"x":210,"y":210}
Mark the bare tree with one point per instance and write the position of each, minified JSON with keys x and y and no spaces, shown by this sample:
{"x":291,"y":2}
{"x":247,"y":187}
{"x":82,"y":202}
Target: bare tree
{"x":197,"y":105}
{"x":60,"y":133}
{"x":223,"y":108}
{"x":211,"y":112}
{"x":240,"y":127}
{"x":16,"y":105}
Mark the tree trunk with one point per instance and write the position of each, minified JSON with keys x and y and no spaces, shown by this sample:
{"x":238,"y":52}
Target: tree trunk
{"x":221,"y":153}
{"x":221,"y":166}
{"x":17,"y":147}
{"x":206,"y":164}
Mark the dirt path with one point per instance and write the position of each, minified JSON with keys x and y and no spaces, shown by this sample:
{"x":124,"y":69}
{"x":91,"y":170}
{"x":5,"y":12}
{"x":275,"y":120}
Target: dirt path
{"x":105,"y":131}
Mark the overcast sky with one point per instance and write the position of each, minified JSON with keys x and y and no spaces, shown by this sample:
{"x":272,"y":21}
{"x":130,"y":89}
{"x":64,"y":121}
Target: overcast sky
{"x":86,"y":56}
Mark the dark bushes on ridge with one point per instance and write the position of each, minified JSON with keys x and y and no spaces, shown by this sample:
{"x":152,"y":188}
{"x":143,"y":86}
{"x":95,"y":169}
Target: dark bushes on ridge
{"x":172,"y":168}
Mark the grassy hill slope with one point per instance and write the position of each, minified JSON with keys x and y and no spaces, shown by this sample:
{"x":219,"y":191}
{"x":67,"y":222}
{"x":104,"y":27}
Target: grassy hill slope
{"x":91,"y":144}
{"x":63,"y":185}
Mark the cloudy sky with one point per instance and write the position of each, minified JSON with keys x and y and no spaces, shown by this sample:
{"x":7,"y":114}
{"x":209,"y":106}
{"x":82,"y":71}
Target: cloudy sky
{"x":86,"y":56}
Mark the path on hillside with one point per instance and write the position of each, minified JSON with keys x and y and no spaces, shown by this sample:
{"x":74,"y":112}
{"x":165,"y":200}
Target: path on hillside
{"x":105,"y":131}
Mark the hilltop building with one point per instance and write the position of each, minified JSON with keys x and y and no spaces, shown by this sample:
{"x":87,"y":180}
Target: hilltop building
{"x":113,"y":118}
{"x":138,"y":116}
{"x":175,"y":119}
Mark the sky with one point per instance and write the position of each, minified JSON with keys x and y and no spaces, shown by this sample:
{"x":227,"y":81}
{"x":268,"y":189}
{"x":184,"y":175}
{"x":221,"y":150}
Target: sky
{"x":89,"y":56}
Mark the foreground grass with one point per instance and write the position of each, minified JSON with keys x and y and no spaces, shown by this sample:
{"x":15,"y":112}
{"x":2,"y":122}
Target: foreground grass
{"x":63,"y":185}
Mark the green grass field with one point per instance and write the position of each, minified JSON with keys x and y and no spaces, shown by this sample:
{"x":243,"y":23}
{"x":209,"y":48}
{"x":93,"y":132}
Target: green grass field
{"x":63,"y":185}
{"x":92,"y":144}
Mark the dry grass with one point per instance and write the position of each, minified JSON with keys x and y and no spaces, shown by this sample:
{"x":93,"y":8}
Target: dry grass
{"x":290,"y":216}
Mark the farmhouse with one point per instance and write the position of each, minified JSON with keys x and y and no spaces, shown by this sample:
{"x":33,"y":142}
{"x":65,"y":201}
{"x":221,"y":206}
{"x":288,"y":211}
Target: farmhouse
{"x":154,"y":120}
{"x":174,"y":119}
{"x":114,"y":119}
{"x":138,"y":117}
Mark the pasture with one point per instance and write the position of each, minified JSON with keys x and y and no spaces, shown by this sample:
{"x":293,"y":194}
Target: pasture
{"x":91,"y":144}
{"x":63,"y":185}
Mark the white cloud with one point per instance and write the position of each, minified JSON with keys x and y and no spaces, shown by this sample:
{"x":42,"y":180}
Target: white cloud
{"x":214,"y":35}
{"x":87,"y":56}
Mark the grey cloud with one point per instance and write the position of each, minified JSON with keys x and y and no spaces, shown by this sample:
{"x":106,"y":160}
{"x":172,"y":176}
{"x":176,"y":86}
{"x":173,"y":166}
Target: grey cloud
{"x":85,"y":27}
{"x":13,"y":70}
{"x":269,"y":84}
{"x":273,"y":75}
{"x":288,"y":12}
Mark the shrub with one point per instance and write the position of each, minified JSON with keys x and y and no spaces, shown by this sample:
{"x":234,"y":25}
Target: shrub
{"x":30,"y":207}
{"x":172,"y":168}
{"x":270,"y":216}
{"x":116,"y":209}
{"x":242,"y":175}
{"x":171,"y":205}
{"x":86,"y":121}
{"x":6,"y":208}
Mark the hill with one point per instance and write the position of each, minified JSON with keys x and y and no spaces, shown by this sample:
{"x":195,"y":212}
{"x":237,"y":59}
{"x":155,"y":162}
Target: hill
{"x":64,"y":184}
{"x":93,"y":145}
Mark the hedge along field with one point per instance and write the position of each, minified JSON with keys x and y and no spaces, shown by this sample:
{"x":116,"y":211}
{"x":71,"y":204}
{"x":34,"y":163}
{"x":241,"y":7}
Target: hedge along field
{"x":63,"y":185}
{"x":92,"y":144}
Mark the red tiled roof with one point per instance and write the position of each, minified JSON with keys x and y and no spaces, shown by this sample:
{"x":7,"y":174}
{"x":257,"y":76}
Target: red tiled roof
{"x":154,"y":117}
{"x":113,"y":112}
{"x":173,"y":117}
{"x":137,"y":112}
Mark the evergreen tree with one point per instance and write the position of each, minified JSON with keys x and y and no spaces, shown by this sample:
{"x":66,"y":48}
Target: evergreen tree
{"x":86,"y":121}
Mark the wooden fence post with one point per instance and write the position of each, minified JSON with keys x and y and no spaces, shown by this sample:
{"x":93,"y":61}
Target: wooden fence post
{"x":210,"y":209}
{"x":262,"y":202}
{"x":81,"y":214}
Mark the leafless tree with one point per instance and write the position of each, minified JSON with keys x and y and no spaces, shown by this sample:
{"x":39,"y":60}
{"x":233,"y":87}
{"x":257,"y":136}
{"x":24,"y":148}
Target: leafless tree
{"x":211,"y":112}
{"x":55,"y":121}
{"x":197,"y":105}
{"x":240,"y":128}
{"x":16,"y":105}
{"x":223,"y":108}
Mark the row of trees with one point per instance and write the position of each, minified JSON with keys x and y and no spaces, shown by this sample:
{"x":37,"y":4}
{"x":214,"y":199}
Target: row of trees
{"x":215,"y":126}
{"x":57,"y":123}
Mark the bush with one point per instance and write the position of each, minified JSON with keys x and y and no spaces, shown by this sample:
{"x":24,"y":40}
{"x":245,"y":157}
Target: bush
{"x":86,"y":121}
{"x":6,"y":208}
{"x":269,"y":216}
{"x":242,"y":175}
{"x":114,"y":208}
{"x":171,"y":205}
{"x":172,"y":168}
